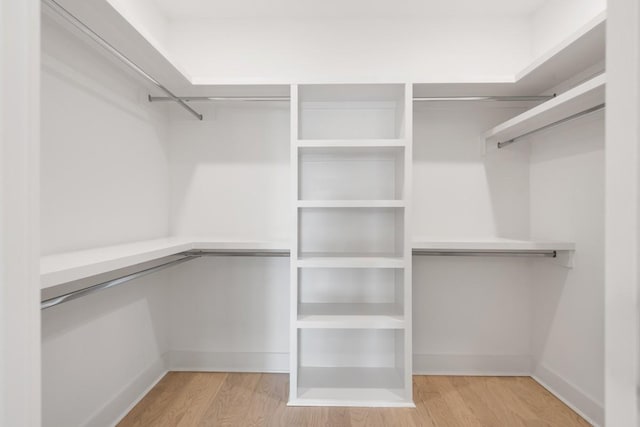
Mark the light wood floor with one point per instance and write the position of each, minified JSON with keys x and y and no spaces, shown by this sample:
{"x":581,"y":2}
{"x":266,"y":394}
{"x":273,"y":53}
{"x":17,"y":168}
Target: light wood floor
{"x":231,"y":399}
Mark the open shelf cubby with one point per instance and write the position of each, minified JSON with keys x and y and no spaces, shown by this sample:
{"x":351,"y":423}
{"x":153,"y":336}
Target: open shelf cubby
{"x":352,"y":367}
{"x":349,"y":174}
{"x":351,"y":111}
{"x":351,"y":298}
{"x":349,"y":231}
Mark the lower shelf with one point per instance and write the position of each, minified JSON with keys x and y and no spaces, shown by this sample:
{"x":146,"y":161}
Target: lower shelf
{"x":370,"y":387}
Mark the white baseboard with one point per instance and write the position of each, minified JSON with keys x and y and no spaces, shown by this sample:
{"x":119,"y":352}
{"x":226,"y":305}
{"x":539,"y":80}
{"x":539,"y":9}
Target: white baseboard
{"x":571,"y":395}
{"x":483,"y":365}
{"x":228,"y":362}
{"x":116,"y":409}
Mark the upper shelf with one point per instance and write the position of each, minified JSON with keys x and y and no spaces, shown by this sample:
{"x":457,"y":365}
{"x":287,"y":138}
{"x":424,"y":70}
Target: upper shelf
{"x":584,"y":49}
{"x":573,"y":101}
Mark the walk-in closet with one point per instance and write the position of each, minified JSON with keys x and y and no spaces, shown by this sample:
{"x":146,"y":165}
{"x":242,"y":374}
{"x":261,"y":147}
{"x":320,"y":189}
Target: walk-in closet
{"x":299,"y":213}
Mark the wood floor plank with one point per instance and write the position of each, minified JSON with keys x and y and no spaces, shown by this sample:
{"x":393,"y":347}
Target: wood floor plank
{"x":484,"y":413}
{"x":203,"y":390}
{"x":188,"y":399}
{"x":152,"y":409}
{"x":270,"y":392}
{"x":545,"y":405}
{"x":229,"y":408}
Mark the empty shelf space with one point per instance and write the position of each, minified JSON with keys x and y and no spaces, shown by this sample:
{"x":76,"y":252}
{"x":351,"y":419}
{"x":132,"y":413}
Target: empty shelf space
{"x":351,"y":203}
{"x":350,"y":386}
{"x":581,"y":98}
{"x":349,"y":260}
{"x":350,"y":316}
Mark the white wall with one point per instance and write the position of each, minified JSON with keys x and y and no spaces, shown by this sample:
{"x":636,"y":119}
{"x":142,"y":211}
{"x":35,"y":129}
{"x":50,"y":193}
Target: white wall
{"x":558,"y":19}
{"x":19,"y":231}
{"x":230,"y":172}
{"x":104,"y":181}
{"x":567,"y":204}
{"x":104,"y":155}
{"x":622,"y":328}
{"x":230,"y":181}
{"x":102,"y":352}
{"x":457,"y":192}
{"x":350,"y":50}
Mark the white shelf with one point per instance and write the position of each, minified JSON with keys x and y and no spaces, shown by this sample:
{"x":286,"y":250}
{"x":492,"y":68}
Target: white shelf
{"x":350,"y":316}
{"x":493,"y":244}
{"x":351,"y":203}
{"x":349,"y":143}
{"x":580,"y":98}
{"x":70,"y":266}
{"x":349,"y":261}
{"x":581,"y":50}
{"x":350,"y":386}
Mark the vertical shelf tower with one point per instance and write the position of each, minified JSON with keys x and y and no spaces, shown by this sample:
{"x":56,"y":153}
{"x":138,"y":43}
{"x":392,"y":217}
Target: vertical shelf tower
{"x":351,"y":256}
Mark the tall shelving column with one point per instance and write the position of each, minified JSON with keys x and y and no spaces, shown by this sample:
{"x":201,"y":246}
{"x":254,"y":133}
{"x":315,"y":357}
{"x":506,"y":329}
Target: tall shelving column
{"x":351,"y":155}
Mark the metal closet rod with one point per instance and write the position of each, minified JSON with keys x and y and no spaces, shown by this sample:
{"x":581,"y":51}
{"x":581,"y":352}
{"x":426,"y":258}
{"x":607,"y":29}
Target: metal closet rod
{"x":429,"y":252}
{"x":73,"y":20}
{"x":190,"y":255}
{"x":416,"y":99}
{"x":51,"y":302}
{"x":599,"y":107}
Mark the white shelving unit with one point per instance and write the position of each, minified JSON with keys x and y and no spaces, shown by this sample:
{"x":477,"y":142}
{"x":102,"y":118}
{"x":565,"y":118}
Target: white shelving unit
{"x":351,"y":254}
{"x":582,"y":97}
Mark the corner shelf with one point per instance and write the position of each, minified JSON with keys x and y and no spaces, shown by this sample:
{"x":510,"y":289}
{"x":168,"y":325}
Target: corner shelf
{"x":67,"y":267}
{"x":582,"y":97}
{"x":350,"y":316}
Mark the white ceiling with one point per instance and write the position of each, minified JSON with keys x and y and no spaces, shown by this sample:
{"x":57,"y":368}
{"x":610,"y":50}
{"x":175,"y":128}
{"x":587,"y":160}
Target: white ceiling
{"x":299,"y":9}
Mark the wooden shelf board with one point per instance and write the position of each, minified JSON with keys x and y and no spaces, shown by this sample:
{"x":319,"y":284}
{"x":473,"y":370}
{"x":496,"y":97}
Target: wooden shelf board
{"x":349,"y":143}
{"x":351,"y":203}
{"x":350,"y":316}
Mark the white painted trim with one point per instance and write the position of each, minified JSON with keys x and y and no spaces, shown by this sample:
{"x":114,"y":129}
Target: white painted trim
{"x":571,"y":395}
{"x":204,"y":361}
{"x":20,"y":364}
{"x":481,"y":365}
{"x":131,"y":394}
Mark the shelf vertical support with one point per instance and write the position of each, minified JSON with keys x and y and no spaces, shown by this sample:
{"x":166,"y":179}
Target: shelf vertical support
{"x":407,"y":240}
{"x":293,"y":260}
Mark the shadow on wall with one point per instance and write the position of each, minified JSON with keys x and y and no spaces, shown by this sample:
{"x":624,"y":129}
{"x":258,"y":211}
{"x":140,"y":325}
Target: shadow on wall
{"x":237,"y":158}
{"x":457,"y":191}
